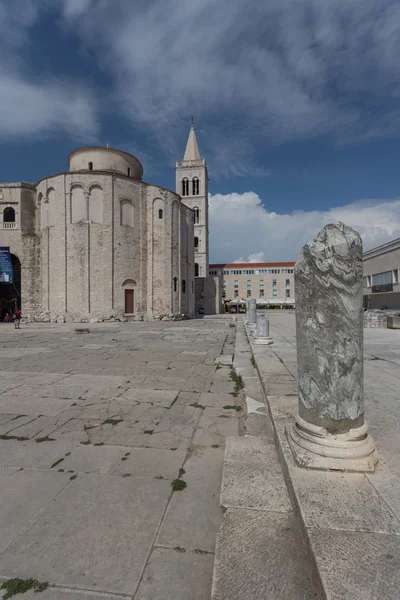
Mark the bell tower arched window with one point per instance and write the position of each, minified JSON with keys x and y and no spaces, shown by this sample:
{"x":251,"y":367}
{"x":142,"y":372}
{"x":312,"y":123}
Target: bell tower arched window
{"x":196,"y":242}
{"x":185,"y":186}
{"x":196,"y":269}
{"x":90,"y":166}
{"x":195,"y":186}
{"x":196,"y":216}
{"x":9,"y":215}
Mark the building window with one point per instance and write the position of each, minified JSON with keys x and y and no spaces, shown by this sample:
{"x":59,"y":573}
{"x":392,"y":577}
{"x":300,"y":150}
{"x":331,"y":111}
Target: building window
{"x":287,"y":282}
{"x":236,"y":283}
{"x":195,"y":186}
{"x":396,"y":276}
{"x":175,"y":283}
{"x":368,"y":280}
{"x":185,"y":187}
{"x":9,"y":215}
{"x":236,"y":294}
{"x":274,"y":292}
{"x":249,"y":283}
{"x":274,"y":283}
{"x":196,"y":247}
{"x":90,"y":166}
{"x":261,"y":282}
{"x":249,"y":292}
{"x":196,"y":216}
{"x":160,"y":213}
{"x":364,"y":282}
{"x":183,"y":286}
{"x":261,"y":293}
{"x":287,"y":293}
{"x":129,"y":172}
{"x":382,"y":278}
{"x":196,"y":269}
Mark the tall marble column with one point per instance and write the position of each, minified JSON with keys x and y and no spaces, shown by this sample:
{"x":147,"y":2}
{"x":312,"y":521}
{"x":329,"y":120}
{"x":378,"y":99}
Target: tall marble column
{"x":251,"y":317}
{"x":330,"y":431}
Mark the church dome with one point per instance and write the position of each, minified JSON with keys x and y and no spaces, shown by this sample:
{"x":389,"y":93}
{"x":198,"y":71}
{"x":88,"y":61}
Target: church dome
{"x":99,"y":158}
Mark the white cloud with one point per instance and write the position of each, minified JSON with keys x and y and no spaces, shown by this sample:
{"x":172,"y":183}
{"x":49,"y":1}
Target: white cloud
{"x":252,"y":258}
{"x":241,"y":226}
{"x":252,"y":73}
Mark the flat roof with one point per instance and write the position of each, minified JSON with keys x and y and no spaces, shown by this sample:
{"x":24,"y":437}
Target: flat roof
{"x":249,"y":265}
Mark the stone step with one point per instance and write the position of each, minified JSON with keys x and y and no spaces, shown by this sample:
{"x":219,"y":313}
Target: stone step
{"x":259,"y":553}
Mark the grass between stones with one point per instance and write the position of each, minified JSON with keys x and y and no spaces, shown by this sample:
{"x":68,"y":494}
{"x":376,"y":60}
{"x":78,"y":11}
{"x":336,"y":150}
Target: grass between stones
{"x":253,"y":362}
{"x":13,"y":437}
{"x":238,"y":381}
{"x":178,"y":484}
{"x":21,"y":586}
{"x":196,"y":405}
{"x":149,"y":431}
{"x":56,"y":463}
{"x":45,"y":439}
{"x":232,"y":407}
{"x":112,"y":421}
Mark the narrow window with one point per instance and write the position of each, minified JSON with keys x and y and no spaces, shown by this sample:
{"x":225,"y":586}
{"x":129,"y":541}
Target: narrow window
{"x":196,"y":269}
{"x":196,"y":244}
{"x":175,"y":283}
{"x":9,"y":215}
{"x":196,"y":216}
{"x":183,"y":286}
{"x":160,"y":213}
{"x":195,"y":186}
{"x":185,"y":186}
{"x":129,"y":172}
{"x":90,"y":166}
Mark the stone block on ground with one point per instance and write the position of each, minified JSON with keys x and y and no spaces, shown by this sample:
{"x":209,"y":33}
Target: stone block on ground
{"x":252,"y":476}
{"x":260,"y":555}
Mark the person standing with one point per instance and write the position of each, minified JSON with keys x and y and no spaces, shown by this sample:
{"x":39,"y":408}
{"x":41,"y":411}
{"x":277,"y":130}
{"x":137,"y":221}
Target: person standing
{"x":17,"y":318}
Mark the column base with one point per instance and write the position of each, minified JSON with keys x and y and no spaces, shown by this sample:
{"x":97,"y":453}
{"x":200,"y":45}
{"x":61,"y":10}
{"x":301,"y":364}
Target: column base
{"x":314,"y":447}
{"x":263,"y":341}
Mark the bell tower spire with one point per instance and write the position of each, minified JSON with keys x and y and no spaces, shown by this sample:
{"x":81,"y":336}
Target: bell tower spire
{"x":192,"y":186}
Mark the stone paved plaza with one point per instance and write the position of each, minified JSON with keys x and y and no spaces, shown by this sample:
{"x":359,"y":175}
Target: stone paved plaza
{"x":94,"y":428}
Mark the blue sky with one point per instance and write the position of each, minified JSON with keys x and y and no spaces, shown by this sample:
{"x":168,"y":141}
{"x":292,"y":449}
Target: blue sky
{"x":296,"y":106}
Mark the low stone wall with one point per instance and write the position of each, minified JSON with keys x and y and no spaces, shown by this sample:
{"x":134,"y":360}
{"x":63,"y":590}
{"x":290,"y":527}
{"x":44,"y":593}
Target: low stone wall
{"x":393,"y":321}
{"x":375,"y":319}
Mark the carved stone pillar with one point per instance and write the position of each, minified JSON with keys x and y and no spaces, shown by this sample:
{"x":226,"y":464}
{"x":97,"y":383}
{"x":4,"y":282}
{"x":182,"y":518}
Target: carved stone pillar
{"x":330,"y":431}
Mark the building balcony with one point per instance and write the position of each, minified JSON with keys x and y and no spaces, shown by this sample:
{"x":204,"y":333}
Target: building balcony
{"x":8,"y":226}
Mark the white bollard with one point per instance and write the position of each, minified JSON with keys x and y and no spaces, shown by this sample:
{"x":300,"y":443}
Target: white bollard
{"x":262,"y":336}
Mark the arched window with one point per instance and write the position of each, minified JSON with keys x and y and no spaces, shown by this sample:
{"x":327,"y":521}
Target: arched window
{"x":160,"y":213}
{"x":175,"y":283}
{"x":195,"y":186}
{"x":90,"y":166}
{"x":196,"y":269}
{"x":9,"y":215}
{"x":183,"y":286}
{"x":196,"y":243}
{"x":196,"y":216}
{"x":129,"y":172}
{"x":126,"y":213}
{"x":185,"y":186}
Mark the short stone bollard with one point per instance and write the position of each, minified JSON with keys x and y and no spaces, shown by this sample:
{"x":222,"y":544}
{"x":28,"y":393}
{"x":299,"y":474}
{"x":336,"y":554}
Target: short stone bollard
{"x":330,"y":431}
{"x":261,"y":335}
{"x":251,"y":316}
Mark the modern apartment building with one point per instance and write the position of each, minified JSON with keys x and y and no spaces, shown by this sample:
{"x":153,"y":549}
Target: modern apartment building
{"x":269,"y":282}
{"x":381,"y":276}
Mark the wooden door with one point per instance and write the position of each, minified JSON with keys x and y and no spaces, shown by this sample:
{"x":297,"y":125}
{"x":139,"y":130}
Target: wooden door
{"x":129,"y":303}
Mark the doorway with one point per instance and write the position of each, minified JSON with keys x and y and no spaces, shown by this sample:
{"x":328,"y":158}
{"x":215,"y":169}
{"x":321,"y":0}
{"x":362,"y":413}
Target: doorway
{"x":10,"y":293}
{"x":129,"y":302}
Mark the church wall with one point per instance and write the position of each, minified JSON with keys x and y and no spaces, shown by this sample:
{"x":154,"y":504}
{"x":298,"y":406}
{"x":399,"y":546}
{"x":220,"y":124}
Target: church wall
{"x":129,"y":259}
{"x":187,"y":259}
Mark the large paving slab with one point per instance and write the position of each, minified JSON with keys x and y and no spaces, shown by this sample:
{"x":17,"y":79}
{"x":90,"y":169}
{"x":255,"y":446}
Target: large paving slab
{"x":260,"y":555}
{"x":111,"y":418}
{"x":177,"y":574}
{"x":252,"y":476}
{"x":98,"y":533}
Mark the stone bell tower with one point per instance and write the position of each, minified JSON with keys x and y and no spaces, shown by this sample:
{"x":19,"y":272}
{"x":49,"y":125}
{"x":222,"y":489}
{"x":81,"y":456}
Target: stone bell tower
{"x":192,"y":186}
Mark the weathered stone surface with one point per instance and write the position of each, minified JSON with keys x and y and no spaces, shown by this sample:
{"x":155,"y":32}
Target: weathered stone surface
{"x":23,"y":495}
{"x":328,"y":280}
{"x":152,"y":463}
{"x":53,"y":593}
{"x":97,"y":533}
{"x":194,"y":515}
{"x":91,"y":459}
{"x":252,"y":476}
{"x":260,"y":555}
{"x":357,"y":566}
{"x":33,"y":455}
{"x":177,"y":575}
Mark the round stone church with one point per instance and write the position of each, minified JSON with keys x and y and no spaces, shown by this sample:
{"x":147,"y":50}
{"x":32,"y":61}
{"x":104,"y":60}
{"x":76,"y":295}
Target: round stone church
{"x":98,"y":243}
